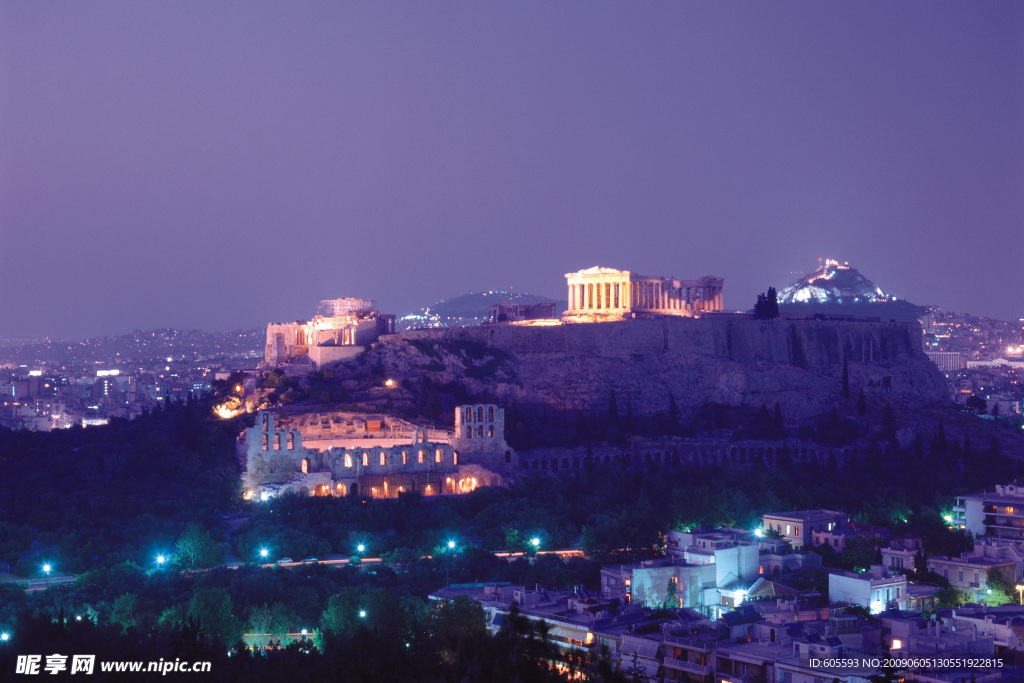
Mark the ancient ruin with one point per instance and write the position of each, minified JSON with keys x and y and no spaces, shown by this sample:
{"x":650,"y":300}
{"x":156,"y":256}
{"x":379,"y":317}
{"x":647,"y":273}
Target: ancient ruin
{"x":340,"y":330}
{"x":599,"y":294}
{"x":374,"y":456}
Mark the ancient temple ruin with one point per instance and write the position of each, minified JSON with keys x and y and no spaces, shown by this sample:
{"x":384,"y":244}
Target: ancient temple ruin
{"x":340,"y":330}
{"x":598,"y":294}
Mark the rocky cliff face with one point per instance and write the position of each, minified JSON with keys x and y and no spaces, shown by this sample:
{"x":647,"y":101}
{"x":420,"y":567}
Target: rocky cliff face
{"x":732,"y":360}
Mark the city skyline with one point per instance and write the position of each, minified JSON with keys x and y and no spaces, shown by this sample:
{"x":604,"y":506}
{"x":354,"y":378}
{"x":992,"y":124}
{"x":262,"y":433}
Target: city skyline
{"x":223,"y":166}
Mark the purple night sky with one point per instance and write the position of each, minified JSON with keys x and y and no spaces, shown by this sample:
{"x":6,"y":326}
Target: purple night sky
{"x":224,"y":164}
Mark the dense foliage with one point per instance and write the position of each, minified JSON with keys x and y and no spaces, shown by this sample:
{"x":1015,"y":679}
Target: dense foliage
{"x":124,"y":491}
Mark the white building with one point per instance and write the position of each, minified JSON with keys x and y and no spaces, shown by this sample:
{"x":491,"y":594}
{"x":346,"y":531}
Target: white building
{"x":876,"y":590}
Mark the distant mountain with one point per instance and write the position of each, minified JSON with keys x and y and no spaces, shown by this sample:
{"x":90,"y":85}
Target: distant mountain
{"x":465,"y":310}
{"x":839,"y":289}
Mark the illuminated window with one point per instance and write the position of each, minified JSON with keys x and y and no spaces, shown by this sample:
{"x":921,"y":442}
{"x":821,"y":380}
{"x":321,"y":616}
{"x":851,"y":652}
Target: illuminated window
{"x":455,"y":458}
{"x":438,"y":455}
{"x":787,"y":530}
{"x":405,"y":457}
{"x":420,"y":456}
{"x":348,"y":460}
{"x":277,"y":442}
{"x":305,"y":465}
{"x":340,"y":488}
{"x":264,"y":442}
{"x":366,"y":459}
{"x":897,"y":643}
{"x":382,"y":459}
{"x":1009,"y":510}
{"x":291,"y":441}
{"x":796,"y":531}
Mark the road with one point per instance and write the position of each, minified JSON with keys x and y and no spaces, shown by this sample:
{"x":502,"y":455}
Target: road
{"x":43,"y":584}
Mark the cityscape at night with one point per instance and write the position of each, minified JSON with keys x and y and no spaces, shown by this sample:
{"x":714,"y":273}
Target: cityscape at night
{"x":512,"y":342}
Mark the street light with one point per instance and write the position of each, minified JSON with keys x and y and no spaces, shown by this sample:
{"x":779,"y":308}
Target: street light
{"x":263,"y":553}
{"x":160,"y":559}
{"x":5,"y":636}
{"x":535,"y":542}
{"x":451,"y":545}
{"x":362,"y":614}
{"x":361,"y":548}
{"x":47,"y":568}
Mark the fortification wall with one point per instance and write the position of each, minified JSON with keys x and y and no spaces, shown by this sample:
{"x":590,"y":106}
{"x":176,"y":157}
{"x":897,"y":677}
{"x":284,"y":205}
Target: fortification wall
{"x":808,"y":343}
{"x":727,"y":359}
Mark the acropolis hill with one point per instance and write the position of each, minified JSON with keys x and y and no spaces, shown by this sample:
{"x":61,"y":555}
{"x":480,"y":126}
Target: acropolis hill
{"x":642,"y":337}
{"x":727,"y":359}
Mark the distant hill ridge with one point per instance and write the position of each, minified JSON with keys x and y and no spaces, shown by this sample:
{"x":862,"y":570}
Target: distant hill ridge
{"x":467,"y":309}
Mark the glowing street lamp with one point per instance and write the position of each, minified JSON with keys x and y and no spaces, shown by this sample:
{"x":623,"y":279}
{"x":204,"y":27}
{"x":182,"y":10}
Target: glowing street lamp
{"x":263,"y":553}
{"x":451,"y":545}
{"x":5,"y":636}
{"x":535,"y":542}
{"x":361,"y":548}
{"x":362,"y":614}
{"x":160,"y":559}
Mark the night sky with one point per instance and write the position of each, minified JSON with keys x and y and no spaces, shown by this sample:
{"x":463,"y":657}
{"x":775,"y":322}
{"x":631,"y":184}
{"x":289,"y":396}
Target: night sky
{"x":220,"y":165}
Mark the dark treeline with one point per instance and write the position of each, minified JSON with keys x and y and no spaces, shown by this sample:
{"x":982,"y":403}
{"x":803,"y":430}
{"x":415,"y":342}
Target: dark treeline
{"x":124,"y":491}
{"x":314,"y":622}
{"x":163,"y":483}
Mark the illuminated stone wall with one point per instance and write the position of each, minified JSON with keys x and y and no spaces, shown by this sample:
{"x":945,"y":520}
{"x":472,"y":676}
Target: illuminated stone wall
{"x":277,"y":461}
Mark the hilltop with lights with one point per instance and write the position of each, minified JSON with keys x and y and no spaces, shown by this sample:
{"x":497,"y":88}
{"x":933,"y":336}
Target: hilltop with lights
{"x":836,"y":288}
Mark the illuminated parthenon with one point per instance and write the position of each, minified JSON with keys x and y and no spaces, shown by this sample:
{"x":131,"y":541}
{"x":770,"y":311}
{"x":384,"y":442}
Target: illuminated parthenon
{"x":607,"y":294}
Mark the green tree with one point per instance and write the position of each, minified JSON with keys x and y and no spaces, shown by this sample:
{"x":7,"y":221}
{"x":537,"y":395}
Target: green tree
{"x":123,"y":614}
{"x":196,"y":549}
{"x":767,"y":305}
{"x":211,"y":610}
{"x":976,"y":404}
{"x":458,"y":626}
